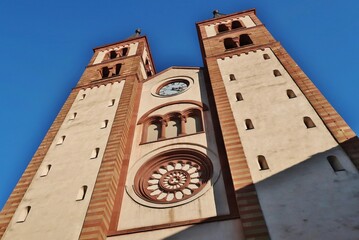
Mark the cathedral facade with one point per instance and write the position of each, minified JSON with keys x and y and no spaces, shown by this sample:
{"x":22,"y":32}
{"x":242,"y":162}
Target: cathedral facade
{"x":245,"y":147}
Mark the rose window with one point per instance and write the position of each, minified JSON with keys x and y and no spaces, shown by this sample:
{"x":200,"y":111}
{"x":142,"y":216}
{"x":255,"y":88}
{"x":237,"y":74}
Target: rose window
{"x":171,"y":181}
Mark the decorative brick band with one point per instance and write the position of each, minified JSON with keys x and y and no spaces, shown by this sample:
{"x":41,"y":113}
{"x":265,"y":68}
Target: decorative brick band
{"x":98,"y":217}
{"x":254,"y":226}
{"x":340,"y":130}
{"x":25,"y":180}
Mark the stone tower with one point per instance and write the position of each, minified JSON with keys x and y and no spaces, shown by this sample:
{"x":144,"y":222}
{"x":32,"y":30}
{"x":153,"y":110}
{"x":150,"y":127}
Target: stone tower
{"x":244,"y":148}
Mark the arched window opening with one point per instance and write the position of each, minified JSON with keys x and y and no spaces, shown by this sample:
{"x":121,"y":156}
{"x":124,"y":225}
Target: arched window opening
{"x":222,"y":28}
{"x":113,"y":54}
{"x":61,"y":140}
{"x":277,"y":73}
{"x":174,"y":128}
{"x":308,"y":122}
{"x":81,"y":194}
{"x":73,"y":116}
{"x":82,"y":97}
{"x":236,"y":24}
{"x":104,"y":124}
{"x":45,"y":171}
{"x":149,"y":73}
{"x":232,"y":77}
{"x":263,"y":165}
{"x":239,"y":97}
{"x":249,"y":124}
{"x":291,"y":94}
{"x":266,"y":56}
{"x":154,"y":131}
{"x":105,"y":72}
{"x":118,"y":69}
{"x":111,"y":103}
{"x":124,"y":52}
{"x":194,"y":122}
{"x":244,"y":39}
{"x":335,"y":164}
{"x":229,"y":43}
{"x":23,"y":214}
{"x":94,"y":153}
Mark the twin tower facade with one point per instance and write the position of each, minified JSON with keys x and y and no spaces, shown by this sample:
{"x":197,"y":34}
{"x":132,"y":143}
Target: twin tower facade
{"x":245,"y":147}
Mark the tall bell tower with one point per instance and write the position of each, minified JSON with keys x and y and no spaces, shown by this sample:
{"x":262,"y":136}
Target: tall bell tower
{"x":294,"y":161}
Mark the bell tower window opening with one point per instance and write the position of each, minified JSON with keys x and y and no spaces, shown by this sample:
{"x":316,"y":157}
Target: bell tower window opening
{"x":124,"y":51}
{"x":222,"y":28}
{"x":236,"y":24}
{"x":113,"y":54}
{"x":229,"y":43}
{"x":118,"y":69}
{"x":105,"y":72}
{"x":244,"y":40}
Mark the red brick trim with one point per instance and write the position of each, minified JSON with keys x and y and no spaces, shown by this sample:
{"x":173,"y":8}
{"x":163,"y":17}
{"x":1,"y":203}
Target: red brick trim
{"x":336,"y":125}
{"x":25,"y":180}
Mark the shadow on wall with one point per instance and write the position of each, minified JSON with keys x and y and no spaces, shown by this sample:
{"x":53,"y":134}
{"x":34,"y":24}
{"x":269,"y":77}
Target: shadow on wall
{"x":306,"y":201}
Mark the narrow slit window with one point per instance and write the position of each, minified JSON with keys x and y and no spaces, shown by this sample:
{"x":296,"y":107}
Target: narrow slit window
{"x":118,"y":69}
{"x":61,"y":140}
{"x":73,"y":116}
{"x":266,"y":56}
{"x":81,"y":194}
{"x":124,"y":52}
{"x":104,"y":124}
{"x":95,"y":153}
{"x":111,"y":103}
{"x":232,"y":77}
{"x":249,"y":124}
{"x":23,"y":214}
{"x":236,"y":24}
{"x":308,"y":122}
{"x":335,"y":164}
{"x":229,"y":43}
{"x":105,"y":72}
{"x":276,"y":73}
{"x":113,"y":54}
{"x":239,"y":97}
{"x":263,"y":165}
{"x":45,"y":171}
{"x":82,"y":97}
{"x":244,"y":40}
{"x":291,"y":94}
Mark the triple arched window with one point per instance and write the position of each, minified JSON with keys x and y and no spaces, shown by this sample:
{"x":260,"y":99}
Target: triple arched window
{"x":171,"y":125}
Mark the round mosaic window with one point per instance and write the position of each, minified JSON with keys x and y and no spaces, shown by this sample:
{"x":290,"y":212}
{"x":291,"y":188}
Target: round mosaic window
{"x":172,"y":178}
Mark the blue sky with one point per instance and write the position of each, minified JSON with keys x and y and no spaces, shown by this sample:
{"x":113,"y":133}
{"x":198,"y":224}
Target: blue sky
{"x":45,"y":46}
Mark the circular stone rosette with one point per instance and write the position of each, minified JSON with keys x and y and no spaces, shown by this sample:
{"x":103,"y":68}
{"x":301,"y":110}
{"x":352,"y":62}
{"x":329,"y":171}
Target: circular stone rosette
{"x":173,"y":177}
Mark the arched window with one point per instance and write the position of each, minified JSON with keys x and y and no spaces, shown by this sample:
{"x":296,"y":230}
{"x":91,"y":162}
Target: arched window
{"x":111,"y":103}
{"x":239,"y":96}
{"x":308,"y":122}
{"x":73,"y":116}
{"x":232,"y":77}
{"x":81,"y":194}
{"x":94,"y":153}
{"x":266,"y":56}
{"x":276,"y":73}
{"x":222,"y":28}
{"x":263,"y":165}
{"x":174,"y":128}
{"x":335,"y":164}
{"x":61,"y":140}
{"x":236,"y":24}
{"x":105,"y":72}
{"x":154,"y":130}
{"x":113,"y":54}
{"x":244,"y":39}
{"x":45,"y":171}
{"x":118,"y":69}
{"x":104,"y":124}
{"x":194,"y":122}
{"x":124,"y":52}
{"x":291,"y":94}
{"x":229,"y":43}
{"x":23,"y":214}
{"x":249,"y":124}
